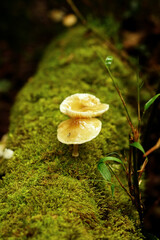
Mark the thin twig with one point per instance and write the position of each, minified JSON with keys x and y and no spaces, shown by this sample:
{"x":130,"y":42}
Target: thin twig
{"x":101,"y":36}
{"x":142,"y":168}
{"x":155,"y":147}
{"x":77,"y":12}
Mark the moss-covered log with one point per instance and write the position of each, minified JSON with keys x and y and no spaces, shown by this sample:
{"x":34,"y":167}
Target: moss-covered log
{"x":46,"y":193}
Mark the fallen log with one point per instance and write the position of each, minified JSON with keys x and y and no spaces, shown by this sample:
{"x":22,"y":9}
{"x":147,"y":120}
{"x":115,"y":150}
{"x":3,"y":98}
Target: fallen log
{"x":46,"y":193}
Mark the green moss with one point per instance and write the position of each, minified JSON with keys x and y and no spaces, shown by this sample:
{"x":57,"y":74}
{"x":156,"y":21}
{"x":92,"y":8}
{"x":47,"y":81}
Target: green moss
{"x":46,"y":193}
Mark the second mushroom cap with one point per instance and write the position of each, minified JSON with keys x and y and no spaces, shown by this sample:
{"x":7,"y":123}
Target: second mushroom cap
{"x":83,"y":105}
{"x":78,"y":131}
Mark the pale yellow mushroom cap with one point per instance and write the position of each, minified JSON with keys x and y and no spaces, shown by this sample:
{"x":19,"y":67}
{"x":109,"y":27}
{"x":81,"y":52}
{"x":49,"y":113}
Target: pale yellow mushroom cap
{"x":83,"y":105}
{"x":69,"y":20}
{"x":78,"y":131}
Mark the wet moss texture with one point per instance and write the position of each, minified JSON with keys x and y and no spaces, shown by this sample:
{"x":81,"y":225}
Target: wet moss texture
{"x":45,"y":192}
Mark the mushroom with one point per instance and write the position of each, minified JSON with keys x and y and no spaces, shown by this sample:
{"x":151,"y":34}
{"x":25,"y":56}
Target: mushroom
{"x":8,"y":153}
{"x":82,"y":126}
{"x":77,"y":131}
{"x":83,"y":105}
{"x":56,"y":15}
{"x":69,"y":20}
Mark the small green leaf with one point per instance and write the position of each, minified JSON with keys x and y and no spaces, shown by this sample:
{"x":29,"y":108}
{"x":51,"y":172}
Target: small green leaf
{"x":110,"y":158}
{"x":108,"y":61}
{"x":104,"y":171}
{"x":113,"y":153}
{"x":150,"y":102}
{"x":137,"y":145}
{"x":112,"y":189}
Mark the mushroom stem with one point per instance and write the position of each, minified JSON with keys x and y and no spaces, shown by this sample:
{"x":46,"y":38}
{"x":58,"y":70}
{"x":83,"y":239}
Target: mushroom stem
{"x":75,"y":150}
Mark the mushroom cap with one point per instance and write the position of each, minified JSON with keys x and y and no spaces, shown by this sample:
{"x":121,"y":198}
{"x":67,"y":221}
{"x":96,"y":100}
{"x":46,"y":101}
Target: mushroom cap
{"x":83,"y":105}
{"x":78,"y":131}
{"x":69,"y":20}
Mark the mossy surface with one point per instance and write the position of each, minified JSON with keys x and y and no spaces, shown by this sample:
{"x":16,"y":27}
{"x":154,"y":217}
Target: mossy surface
{"x":46,"y":193}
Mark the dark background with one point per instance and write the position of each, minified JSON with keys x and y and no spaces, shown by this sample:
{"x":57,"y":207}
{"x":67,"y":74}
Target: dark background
{"x":26,"y":27}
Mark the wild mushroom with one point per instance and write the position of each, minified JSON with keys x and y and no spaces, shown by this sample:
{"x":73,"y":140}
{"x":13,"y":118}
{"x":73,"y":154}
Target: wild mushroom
{"x":82,"y":127}
{"x":83,"y":105}
{"x":77,"y":131}
{"x":69,"y":20}
{"x":8,"y":153}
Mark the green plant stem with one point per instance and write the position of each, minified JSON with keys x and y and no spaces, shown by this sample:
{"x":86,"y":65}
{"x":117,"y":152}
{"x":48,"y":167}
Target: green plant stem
{"x":121,"y":184}
{"x":138,"y":102}
{"x":130,"y":171}
{"x":123,"y":101}
{"x":136,"y":186}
